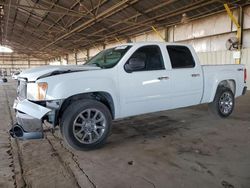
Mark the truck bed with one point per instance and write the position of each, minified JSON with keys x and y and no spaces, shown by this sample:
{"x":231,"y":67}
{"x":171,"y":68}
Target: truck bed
{"x":213,"y":73}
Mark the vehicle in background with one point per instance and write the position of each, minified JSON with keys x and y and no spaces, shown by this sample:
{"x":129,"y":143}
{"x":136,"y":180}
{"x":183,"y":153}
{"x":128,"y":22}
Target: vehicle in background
{"x":3,"y":79}
{"x":119,"y":82}
{"x":15,"y":75}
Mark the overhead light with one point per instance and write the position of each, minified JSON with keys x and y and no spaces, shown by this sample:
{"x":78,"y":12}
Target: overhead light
{"x":5,"y":49}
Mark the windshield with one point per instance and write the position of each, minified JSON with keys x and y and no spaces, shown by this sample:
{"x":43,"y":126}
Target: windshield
{"x":108,"y":58}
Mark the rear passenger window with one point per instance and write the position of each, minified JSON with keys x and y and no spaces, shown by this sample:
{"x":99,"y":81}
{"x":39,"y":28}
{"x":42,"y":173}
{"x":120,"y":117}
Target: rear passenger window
{"x":152,"y":56}
{"x":180,"y":57}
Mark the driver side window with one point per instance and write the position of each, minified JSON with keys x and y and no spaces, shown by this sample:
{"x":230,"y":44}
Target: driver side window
{"x":150,"y":55}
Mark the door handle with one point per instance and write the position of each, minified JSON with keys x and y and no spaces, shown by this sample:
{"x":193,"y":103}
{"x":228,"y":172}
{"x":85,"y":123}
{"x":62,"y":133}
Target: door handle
{"x":163,"y":78}
{"x":195,"y":75}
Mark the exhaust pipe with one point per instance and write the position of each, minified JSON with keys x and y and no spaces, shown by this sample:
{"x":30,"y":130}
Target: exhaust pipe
{"x":18,"y":132}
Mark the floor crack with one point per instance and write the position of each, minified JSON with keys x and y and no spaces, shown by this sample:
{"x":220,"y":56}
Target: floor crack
{"x":61,"y":161}
{"x":148,"y":181}
{"x":23,"y":183}
{"x":75,"y":160}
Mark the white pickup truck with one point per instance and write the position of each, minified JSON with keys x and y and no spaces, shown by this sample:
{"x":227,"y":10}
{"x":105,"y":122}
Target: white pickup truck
{"x":119,"y":82}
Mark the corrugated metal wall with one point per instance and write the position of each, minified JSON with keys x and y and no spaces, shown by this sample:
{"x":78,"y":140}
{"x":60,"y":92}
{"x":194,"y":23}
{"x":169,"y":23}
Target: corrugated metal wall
{"x":216,"y":57}
{"x":226,"y":57}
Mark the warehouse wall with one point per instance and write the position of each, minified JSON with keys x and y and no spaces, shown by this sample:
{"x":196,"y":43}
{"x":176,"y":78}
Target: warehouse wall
{"x":14,"y":62}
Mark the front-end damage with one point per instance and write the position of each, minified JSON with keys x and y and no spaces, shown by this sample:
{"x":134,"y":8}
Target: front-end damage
{"x":32,"y":107}
{"x":30,"y":117}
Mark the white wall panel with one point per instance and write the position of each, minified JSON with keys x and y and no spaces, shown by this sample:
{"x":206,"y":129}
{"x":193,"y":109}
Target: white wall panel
{"x":203,"y":27}
{"x":82,"y":54}
{"x":217,"y":57}
{"x":171,"y":34}
{"x":141,"y":38}
{"x":72,"y":61}
{"x":180,"y":35}
{"x":219,"y":42}
{"x":246,"y":39}
{"x":94,"y":51}
{"x":246,"y":24}
{"x":153,"y":36}
{"x":226,"y":57}
{"x":212,"y":25}
{"x":201,"y":45}
{"x":71,"y":56}
{"x":222,"y":24}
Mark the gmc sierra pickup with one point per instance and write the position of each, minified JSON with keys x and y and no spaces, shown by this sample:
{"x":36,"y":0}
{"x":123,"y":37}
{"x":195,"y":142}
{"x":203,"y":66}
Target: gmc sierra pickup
{"x":119,"y":82}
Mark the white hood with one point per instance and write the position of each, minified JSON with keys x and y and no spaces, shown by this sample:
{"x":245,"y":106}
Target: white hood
{"x":34,"y":73}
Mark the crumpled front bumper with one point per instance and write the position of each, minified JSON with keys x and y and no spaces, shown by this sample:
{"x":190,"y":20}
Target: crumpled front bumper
{"x":29,"y":120}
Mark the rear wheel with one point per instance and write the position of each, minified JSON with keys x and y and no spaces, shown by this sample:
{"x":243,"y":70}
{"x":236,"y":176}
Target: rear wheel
{"x":223,"y":103}
{"x":86,"y":124}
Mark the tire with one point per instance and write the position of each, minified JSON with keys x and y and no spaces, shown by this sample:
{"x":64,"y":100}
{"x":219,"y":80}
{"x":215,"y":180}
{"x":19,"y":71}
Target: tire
{"x":223,"y":103}
{"x":86,"y":124}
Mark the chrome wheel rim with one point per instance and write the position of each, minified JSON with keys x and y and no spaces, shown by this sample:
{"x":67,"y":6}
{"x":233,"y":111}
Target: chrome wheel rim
{"x":89,"y":126}
{"x":226,"y":103}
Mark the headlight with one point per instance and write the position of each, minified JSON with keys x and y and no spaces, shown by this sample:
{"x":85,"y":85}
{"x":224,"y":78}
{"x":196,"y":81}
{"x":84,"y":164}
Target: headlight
{"x":42,"y":89}
{"x":37,"y":91}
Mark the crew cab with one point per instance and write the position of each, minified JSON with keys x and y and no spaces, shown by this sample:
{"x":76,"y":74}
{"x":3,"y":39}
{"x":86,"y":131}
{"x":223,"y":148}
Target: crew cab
{"x":126,"y":80}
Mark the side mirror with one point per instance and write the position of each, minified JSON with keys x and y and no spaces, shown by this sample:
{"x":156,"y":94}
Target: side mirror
{"x":134,"y":64}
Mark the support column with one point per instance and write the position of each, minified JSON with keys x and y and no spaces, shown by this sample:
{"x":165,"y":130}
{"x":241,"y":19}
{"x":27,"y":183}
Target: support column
{"x":76,"y":57}
{"x":28,"y":61}
{"x":166,"y":34}
{"x":239,"y":28}
{"x":241,"y":21}
{"x":87,"y":54}
{"x":67,"y":59}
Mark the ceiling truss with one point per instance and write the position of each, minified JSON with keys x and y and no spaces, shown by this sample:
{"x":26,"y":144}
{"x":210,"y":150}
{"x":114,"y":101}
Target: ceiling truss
{"x":50,"y":28}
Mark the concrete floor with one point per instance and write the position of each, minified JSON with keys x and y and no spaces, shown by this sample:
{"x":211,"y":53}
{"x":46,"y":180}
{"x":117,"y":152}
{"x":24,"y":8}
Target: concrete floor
{"x":181,"y":148}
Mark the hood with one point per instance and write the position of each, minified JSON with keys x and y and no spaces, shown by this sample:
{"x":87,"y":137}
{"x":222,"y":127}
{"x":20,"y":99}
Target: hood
{"x":50,"y":70}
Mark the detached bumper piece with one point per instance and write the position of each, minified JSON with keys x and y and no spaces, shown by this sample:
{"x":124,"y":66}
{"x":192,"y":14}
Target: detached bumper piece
{"x":26,"y":127}
{"x":29,"y":120}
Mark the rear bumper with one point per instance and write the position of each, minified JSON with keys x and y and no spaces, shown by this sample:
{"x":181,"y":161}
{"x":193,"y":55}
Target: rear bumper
{"x":244,"y":90}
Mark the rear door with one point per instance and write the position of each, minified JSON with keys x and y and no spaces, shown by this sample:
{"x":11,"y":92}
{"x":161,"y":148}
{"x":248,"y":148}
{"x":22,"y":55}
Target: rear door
{"x":186,"y":77}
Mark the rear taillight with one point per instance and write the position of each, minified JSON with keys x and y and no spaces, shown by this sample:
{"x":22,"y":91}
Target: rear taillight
{"x":245,"y":75}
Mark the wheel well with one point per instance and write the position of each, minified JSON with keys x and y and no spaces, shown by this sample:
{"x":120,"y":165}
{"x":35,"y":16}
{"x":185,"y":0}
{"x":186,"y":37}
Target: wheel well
{"x":228,"y":84}
{"x":102,"y":97}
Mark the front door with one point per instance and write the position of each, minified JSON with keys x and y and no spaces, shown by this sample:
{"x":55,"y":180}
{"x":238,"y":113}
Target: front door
{"x":145,"y":90}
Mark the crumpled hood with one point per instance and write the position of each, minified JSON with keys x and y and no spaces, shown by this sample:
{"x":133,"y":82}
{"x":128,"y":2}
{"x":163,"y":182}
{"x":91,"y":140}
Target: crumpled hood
{"x":44,"y":71}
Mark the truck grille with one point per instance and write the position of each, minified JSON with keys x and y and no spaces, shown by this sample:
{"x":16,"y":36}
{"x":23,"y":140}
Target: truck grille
{"x":22,"y":89}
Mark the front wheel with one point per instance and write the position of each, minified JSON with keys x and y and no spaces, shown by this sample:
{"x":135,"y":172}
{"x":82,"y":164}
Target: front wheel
{"x":86,"y":124}
{"x":223,"y":103}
